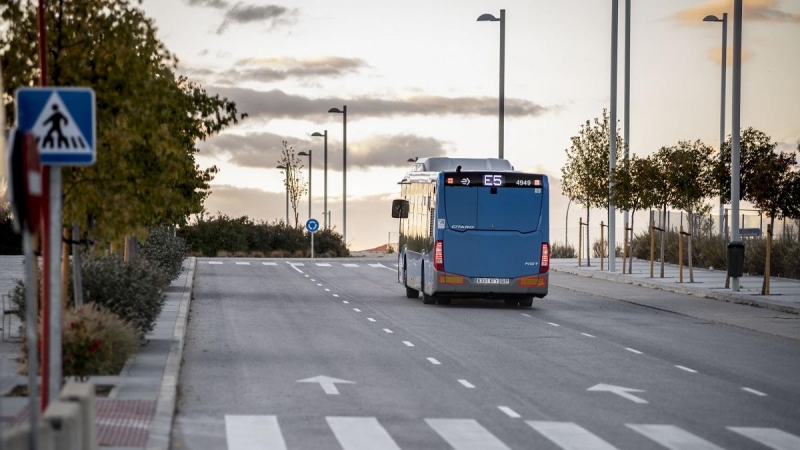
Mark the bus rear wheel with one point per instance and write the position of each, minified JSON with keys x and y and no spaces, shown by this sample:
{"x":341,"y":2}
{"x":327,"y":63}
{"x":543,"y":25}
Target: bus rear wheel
{"x":526,"y":302}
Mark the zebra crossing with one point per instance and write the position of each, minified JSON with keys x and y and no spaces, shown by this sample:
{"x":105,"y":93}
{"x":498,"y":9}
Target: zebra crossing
{"x":368,"y":433}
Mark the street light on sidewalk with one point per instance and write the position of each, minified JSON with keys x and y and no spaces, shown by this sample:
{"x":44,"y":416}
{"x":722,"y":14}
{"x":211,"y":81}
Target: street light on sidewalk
{"x":286,"y":185}
{"x":724,"y":20}
{"x":309,"y":179}
{"x":343,"y":112}
{"x":502,"y":20}
{"x":325,"y":212}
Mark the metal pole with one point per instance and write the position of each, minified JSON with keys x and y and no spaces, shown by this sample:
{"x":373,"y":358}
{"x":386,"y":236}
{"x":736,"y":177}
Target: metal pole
{"x":566,"y":226}
{"x":502,"y":78}
{"x":286,"y":185}
{"x":344,"y":178}
{"x":309,"y":184}
{"x":735,"y":117}
{"x":32,"y":335}
{"x":325,"y":176}
{"x":613,"y":136}
{"x":627,"y":100}
{"x":722,"y":108}
{"x":55,"y":281}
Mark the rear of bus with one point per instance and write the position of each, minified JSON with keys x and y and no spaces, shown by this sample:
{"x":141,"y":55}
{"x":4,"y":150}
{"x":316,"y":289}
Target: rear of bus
{"x":492,"y":236}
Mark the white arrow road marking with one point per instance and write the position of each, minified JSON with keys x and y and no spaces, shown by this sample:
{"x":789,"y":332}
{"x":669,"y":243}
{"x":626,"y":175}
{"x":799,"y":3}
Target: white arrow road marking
{"x":619,"y":390}
{"x":328,"y":384}
{"x":361,"y":433}
{"x":673,"y":438}
{"x":771,"y":437}
{"x":570,"y":436}
{"x":464,"y":434}
{"x":253,"y":433}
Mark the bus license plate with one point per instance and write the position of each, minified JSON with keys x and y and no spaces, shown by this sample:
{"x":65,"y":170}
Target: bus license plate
{"x":492,"y":280}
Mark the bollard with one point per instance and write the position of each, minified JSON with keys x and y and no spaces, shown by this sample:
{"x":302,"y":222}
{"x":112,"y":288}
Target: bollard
{"x":65,"y":420}
{"x":18,"y":438}
{"x":82,"y":394}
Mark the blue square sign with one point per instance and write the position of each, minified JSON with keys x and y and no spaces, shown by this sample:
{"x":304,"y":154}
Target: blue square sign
{"x":62,"y":119}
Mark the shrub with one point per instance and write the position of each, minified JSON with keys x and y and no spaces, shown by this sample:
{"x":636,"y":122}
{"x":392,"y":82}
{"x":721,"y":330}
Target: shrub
{"x":560,"y":250}
{"x":165,"y":250}
{"x":132,"y":290}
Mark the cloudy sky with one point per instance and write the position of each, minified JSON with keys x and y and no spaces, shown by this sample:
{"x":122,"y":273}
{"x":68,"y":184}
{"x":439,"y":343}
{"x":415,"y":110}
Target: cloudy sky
{"x":420,"y":78}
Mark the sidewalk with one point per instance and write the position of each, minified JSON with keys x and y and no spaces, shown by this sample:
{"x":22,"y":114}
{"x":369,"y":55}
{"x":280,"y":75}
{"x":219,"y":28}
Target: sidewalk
{"x":139,"y":408}
{"x":784,"y":293}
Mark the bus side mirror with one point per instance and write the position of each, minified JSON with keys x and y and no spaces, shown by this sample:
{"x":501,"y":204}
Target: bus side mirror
{"x":400,"y":209}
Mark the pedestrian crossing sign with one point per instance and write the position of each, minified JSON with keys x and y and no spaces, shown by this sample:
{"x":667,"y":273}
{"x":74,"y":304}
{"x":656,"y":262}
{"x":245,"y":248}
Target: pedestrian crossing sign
{"x":63,"y":122}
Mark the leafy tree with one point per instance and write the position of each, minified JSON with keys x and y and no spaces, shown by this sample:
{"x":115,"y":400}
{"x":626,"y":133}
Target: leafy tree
{"x":148,"y":120}
{"x":634,"y":187}
{"x":585,"y":177}
{"x":661,"y":191}
{"x":293,"y":178}
{"x":755,"y":146}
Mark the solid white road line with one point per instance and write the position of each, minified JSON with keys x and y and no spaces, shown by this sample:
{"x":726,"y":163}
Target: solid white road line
{"x":350,"y":265}
{"x":771,"y":437}
{"x":569,"y":435}
{"x":269,"y":263}
{"x":434,"y":361}
{"x":526,"y":315}
{"x":554,"y":324}
{"x":633,"y":350}
{"x":673,"y":438}
{"x":686,"y":369}
{"x":408,"y":344}
{"x":509,"y":412}
{"x":463,"y":434}
{"x":361,"y":433}
{"x":295,"y":268}
{"x":323,"y":265}
{"x":370,"y":319}
{"x":388,"y":331}
{"x":467,"y":384}
{"x":587,"y":335}
{"x":242,"y":263}
{"x":356,"y":310}
{"x":216,"y":263}
{"x":753,"y":391}
{"x":253,"y":432}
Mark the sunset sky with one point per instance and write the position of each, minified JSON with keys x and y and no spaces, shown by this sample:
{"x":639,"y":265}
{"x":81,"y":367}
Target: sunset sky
{"x":420,"y":78}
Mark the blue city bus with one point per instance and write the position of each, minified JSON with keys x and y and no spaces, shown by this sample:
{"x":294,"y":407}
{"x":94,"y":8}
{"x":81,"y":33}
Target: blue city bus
{"x":473,"y":228}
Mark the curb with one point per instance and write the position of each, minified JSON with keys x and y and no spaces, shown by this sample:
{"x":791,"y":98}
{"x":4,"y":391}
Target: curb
{"x":680,"y":290}
{"x":161,"y":426}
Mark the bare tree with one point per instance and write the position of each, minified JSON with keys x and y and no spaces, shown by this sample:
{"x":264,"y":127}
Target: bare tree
{"x":293,"y":178}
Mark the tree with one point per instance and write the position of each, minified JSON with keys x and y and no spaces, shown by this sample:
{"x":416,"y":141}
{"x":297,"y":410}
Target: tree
{"x":148,"y":120}
{"x":585,"y":178}
{"x":634,"y":187}
{"x":754,"y":146}
{"x":661,"y":192}
{"x":293,"y":179}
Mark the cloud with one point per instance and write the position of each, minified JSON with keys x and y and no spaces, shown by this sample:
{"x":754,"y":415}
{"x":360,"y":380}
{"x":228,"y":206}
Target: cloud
{"x":218,"y":4}
{"x":275,"y":104}
{"x":752,"y":10}
{"x":277,"y":69}
{"x":244,"y":14}
{"x":715,"y":54}
{"x":262,"y":150}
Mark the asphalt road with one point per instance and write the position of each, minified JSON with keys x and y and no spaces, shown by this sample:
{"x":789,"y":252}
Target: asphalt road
{"x":579,"y":370}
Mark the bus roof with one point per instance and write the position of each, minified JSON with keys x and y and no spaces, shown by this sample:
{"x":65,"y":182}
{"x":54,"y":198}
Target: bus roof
{"x":427,"y":168}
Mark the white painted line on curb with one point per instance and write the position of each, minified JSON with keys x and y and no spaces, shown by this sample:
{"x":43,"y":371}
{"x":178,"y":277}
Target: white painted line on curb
{"x":356,"y":310}
{"x":408,"y":344}
{"x":269,"y":263}
{"x":388,"y":331}
{"x":686,"y":369}
{"x":587,"y":335}
{"x":554,"y":324}
{"x":242,"y":263}
{"x":509,"y":412}
{"x":434,"y":361}
{"x":467,"y":384}
{"x":633,"y":350}
{"x":216,"y":263}
{"x":753,"y":391}
{"x":370,"y":319}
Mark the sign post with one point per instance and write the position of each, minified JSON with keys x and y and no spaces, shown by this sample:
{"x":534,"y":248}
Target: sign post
{"x":312,"y":225}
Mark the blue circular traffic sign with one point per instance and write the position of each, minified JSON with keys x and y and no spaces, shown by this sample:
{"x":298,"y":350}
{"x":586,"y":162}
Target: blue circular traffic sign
{"x":312,"y":225}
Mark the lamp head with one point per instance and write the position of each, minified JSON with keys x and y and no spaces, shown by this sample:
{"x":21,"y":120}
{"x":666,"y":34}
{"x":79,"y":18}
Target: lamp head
{"x":280,"y":167}
{"x":335,"y":110}
{"x":304,"y":153}
{"x":317,"y":133}
{"x":487,"y":18}
{"x":711,"y":18}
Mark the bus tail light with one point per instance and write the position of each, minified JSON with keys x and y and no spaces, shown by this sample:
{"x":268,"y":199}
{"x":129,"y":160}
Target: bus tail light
{"x":438,"y":256}
{"x":544,"y":265}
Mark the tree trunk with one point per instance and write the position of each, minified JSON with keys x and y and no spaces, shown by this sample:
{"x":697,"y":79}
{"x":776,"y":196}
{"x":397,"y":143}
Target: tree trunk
{"x":691,"y":235}
{"x":630,"y":243}
{"x":588,"y":245}
{"x":663,"y":231}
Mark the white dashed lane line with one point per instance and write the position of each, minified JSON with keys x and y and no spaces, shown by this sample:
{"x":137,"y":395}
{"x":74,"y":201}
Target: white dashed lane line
{"x":319,"y":284}
{"x":350,"y":265}
{"x":356,"y":310}
{"x":216,"y":263}
{"x":467,"y":384}
{"x":686,"y":369}
{"x":327,"y":290}
{"x":295,"y":268}
{"x":753,"y":391}
{"x":336,"y":295}
{"x":343,"y":301}
{"x":554,"y":324}
{"x":587,"y":335}
{"x":633,"y":350}
{"x":370,"y":319}
{"x":408,"y":344}
{"x":269,"y":264}
{"x":242,"y":263}
{"x":323,"y":265}
{"x":434,"y":361}
{"x":313,"y":280}
{"x":509,"y":412}
{"x":388,"y":331}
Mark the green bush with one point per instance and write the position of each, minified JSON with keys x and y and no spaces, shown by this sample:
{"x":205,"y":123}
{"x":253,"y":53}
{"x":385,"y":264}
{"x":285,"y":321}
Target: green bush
{"x":560,"y":250}
{"x":329,"y":243}
{"x":165,"y":250}
{"x":132,"y":290}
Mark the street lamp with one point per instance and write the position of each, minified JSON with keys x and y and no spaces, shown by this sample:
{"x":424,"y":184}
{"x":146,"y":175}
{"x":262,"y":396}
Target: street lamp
{"x":343,"y":112}
{"x":414,"y":159}
{"x":324,"y":176}
{"x":286,"y":185}
{"x":724,"y":21}
{"x":309,"y":179}
{"x":502,"y":20}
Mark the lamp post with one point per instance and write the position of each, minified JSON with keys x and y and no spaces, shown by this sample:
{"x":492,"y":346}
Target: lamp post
{"x":309,"y":179}
{"x":325,"y":178}
{"x":343,"y":112}
{"x":724,"y":21}
{"x":735,"y":125}
{"x":612,"y":157}
{"x":286,"y":185}
{"x":502,"y":20}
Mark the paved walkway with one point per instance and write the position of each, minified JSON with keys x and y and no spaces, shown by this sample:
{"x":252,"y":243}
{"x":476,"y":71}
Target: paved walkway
{"x":784,"y":293}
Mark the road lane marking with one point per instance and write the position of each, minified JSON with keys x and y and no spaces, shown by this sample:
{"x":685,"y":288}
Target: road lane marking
{"x":753,"y":391}
{"x":370,"y":319}
{"x":343,"y":301}
{"x":295,"y":268}
{"x":253,"y":432}
{"x":509,"y":412}
{"x":356,"y":310}
{"x":337,"y":296}
{"x":361,"y":433}
{"x":350,"y":265}
{"x":319,"y":284}
{"x":323,"y":265}
{"x":328,"y":384}
{"x":569,"y":435}
{"x":296,"y":264}
{"x":379,"y":265}
{"x":313,"y":280}
{"x":307,"y":276}
{"x":467,"y":384}
{"x":672,"y":437}
{"x":686,"y":369}
{"x":526,"y":315}
{"x":463,"y":434}
{"x":434,"y":361}
{"x":242,"y":263}
{"x":269,"y":263}
{"x":554,"y":324}
{"x":771,"y":437}
{"x":216,"y":263}
{"x":388,"y":331}
{"x":587,"y":335}
{"x":408,"y":344}
{"x":633,"y":350}
{"x":327,"y":290}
